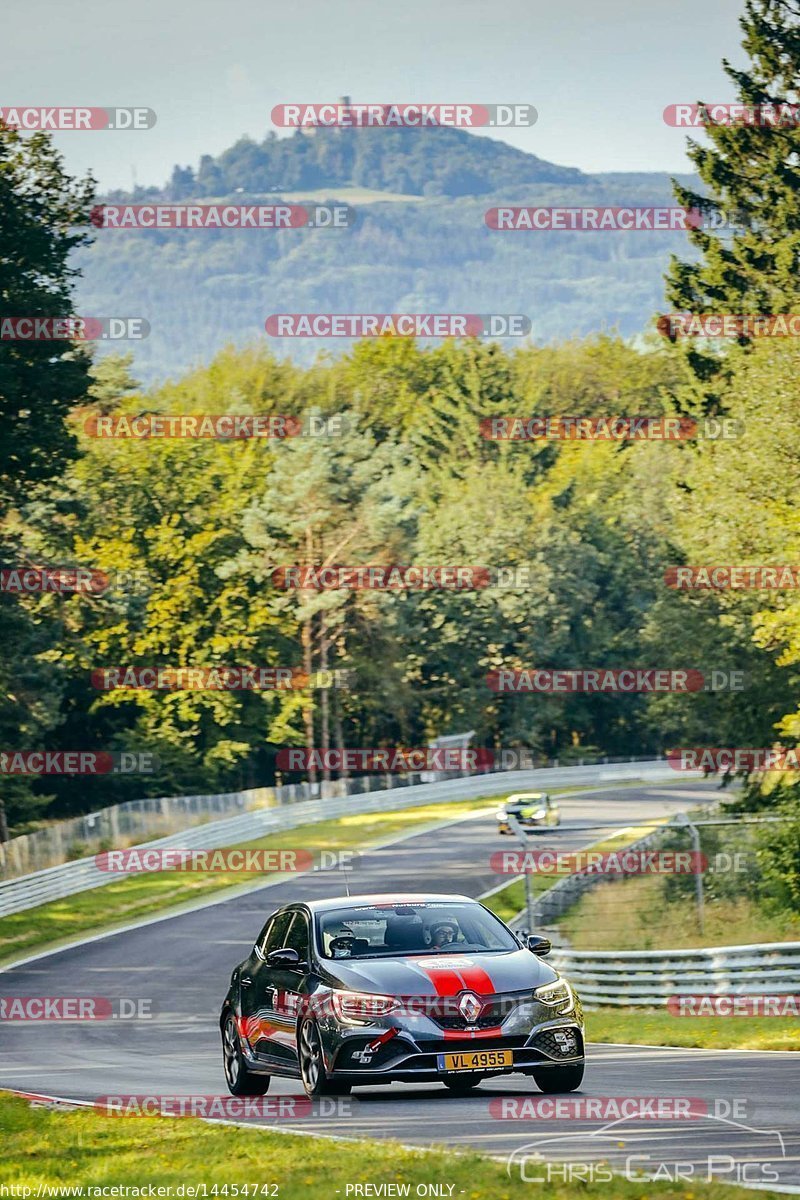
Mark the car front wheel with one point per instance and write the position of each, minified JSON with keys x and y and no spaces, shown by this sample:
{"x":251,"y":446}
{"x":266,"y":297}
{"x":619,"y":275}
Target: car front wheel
{"x":312,"y":1064}
{"x":559,"y":1079}
{"x":240,"y":1081}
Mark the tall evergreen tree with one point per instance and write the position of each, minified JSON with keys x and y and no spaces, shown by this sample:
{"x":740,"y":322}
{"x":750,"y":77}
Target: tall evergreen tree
{"x":44,"y":215}
{"x":41,"y":213}
{"x":752,"y":177}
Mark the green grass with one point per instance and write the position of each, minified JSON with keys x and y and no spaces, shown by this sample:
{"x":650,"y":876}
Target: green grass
{"x":653,"y":1027}
{"x":57,"y":1148}
{"x":633,"y":914}
{"x":137,"y":896}
{"x":510,"y":900}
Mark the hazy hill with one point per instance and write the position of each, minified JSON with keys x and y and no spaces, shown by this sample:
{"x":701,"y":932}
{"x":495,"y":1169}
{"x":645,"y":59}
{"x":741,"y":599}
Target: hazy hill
{"x":430,"y":252}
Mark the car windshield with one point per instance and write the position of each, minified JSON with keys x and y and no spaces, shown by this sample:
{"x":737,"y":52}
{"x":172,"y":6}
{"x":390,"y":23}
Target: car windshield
{"x":394,"y":930}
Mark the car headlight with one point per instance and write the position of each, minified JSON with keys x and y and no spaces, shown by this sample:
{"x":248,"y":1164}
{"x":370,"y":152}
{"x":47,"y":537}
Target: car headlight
{"x":539,"y":815}
{"x":556,"y":995}
{"x":362,"y":1006}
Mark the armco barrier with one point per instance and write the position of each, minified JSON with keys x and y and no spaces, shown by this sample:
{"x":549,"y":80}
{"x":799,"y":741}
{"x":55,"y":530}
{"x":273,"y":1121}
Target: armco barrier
{"x":119,"y":825}
{"x":54,"y":883}
{"x":647,"y":978}
{"x":136,"y":821}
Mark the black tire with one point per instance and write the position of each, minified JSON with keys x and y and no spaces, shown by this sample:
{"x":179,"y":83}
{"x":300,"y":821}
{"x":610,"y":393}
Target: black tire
{"x":559,"y":1079}
{"x":316,"y":1081}
{"x":461,"y":1084}
{"x":240,"y":1079}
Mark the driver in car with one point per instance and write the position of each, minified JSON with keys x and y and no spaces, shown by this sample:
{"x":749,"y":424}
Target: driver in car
{"x":443,"y":933}
{"x":342,"y":944}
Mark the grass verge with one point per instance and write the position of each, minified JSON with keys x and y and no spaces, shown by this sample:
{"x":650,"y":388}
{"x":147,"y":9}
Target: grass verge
{"x":46,"y":1148}
{"x":510,"y":900}
{"x":136,"y":896}
{"x":654,"y":1027}
{"x":635,"y":914}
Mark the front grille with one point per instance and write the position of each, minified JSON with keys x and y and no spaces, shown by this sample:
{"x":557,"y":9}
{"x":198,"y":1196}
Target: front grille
{"x":548,"y":1043}
{"x":455,"y":1021}
{"x":495,"y":1011}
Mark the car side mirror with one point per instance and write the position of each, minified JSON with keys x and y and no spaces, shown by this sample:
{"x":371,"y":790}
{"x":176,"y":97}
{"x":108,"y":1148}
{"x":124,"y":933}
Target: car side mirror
{"x":538,"y":945}
{"x":286,"y":958}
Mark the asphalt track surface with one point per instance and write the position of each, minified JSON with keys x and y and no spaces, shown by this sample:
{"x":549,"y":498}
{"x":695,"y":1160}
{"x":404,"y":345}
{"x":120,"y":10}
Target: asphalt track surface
{"x":745,"y":1125}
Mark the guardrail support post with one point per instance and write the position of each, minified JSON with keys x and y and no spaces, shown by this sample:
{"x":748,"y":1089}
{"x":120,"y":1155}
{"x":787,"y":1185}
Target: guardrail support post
{"x":699,"y":892}
{"x":522,"y":838}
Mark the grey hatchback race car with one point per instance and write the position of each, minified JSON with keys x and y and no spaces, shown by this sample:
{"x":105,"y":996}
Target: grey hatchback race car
{"x":372,"y":989}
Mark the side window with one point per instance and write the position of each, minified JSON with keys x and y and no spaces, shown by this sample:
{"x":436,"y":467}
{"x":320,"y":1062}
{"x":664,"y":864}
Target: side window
{"x":297,"y":938}
{"x":276,"y":937}
{"x":262,"y":937}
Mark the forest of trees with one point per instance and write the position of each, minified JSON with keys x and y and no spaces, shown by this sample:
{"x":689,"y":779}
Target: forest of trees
{"x":443,"y":162}
{"x":202,"y":526}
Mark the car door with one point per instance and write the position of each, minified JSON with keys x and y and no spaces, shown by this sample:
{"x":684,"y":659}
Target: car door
{"x":287,"y":985}
{"x":257,"y":990}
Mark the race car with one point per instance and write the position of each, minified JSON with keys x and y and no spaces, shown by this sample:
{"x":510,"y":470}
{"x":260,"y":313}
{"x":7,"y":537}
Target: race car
{"x":534,"y":811}
{"x":416,"y":988}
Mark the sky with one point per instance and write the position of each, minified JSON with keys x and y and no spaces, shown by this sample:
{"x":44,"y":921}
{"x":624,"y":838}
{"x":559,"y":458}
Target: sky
{"x":599,"y":72}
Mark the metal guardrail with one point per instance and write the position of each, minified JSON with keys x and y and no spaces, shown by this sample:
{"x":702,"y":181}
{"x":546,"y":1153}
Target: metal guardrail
{"x":136,"y":821}
{"x":650,"y":977}
{"x":54,"y":883}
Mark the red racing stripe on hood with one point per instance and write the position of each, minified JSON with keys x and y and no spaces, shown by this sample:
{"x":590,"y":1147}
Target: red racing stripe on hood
{"x":477,"y":980}
{"x":446,"y":981}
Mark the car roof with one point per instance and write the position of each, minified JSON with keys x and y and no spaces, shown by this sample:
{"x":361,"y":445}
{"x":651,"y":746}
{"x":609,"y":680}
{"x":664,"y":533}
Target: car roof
{"x":381,"y":898}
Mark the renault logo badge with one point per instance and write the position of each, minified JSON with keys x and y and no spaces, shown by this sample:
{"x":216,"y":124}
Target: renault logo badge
{"x":470,"y":1007}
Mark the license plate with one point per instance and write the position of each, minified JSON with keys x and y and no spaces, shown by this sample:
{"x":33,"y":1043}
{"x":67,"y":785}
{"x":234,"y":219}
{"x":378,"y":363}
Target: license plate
{"x":476,"y":1060}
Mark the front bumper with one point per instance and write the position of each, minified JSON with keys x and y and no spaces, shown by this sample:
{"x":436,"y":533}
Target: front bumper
{"x":527,"y":826}
{"x":406,"y":1056}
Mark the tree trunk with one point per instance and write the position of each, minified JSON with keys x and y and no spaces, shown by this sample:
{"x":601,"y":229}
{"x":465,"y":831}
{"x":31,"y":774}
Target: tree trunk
{"x":323,"y":700}
{"x":338,"y":733}
{"x":308,"y":710}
